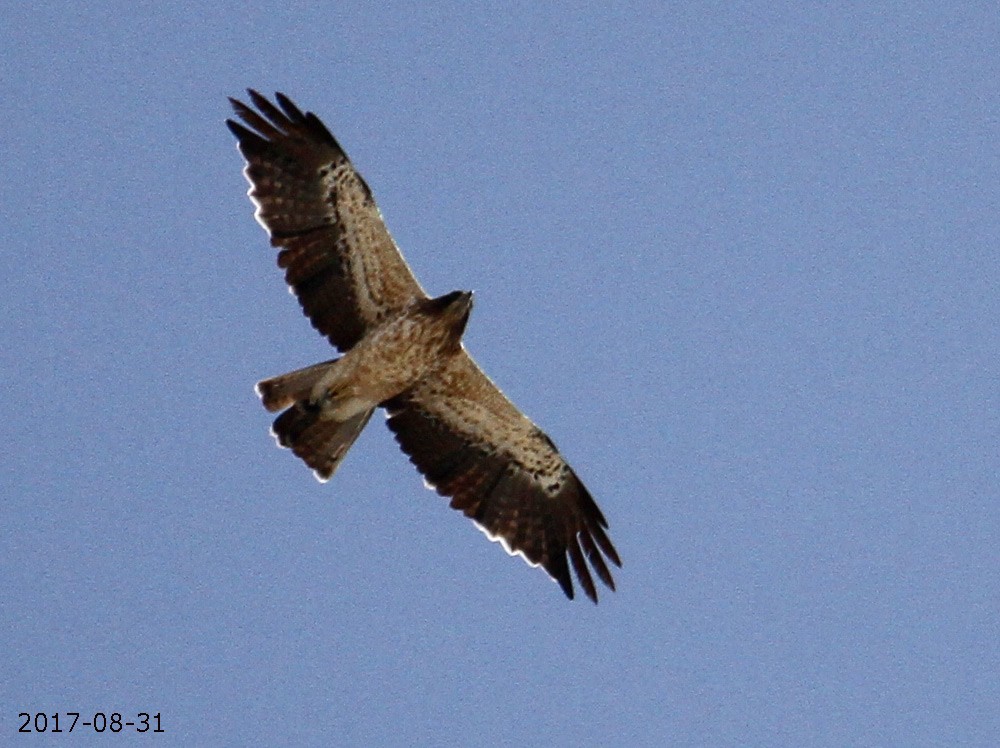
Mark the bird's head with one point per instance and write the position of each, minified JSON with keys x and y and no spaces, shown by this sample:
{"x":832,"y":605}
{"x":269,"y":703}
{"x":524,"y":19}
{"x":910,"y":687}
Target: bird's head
{"x":453,"y":307}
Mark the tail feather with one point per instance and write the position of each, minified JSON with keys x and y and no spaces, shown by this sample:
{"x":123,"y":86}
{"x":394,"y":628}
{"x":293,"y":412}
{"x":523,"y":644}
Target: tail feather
{"x":320,"y":442}
{"x":277,"y":393}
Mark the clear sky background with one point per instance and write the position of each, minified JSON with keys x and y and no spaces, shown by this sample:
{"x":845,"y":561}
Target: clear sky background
{"x":739,"y":260}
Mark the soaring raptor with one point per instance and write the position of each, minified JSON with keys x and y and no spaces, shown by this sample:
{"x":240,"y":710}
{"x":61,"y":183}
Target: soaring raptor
{"x":401,"y":351}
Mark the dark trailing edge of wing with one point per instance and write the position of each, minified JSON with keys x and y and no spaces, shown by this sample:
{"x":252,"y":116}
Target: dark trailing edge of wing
{"x":553,"y":531}
{"x":286,"y":153}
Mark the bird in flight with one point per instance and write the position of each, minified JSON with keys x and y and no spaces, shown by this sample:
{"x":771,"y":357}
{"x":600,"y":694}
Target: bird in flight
{"x":401,"y":351}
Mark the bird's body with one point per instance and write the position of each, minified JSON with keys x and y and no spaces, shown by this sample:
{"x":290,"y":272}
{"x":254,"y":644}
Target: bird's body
{"x":402,"y":351}
{"x":390,"y":359}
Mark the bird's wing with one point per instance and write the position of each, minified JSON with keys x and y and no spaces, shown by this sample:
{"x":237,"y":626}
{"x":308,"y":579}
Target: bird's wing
{"x":473,"y":445}
{"x":337,"y":254}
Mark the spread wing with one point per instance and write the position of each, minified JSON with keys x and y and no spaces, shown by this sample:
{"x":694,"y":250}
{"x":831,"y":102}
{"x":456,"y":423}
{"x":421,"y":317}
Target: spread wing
{"x":473,"y":445}
{"x":337,"y":254}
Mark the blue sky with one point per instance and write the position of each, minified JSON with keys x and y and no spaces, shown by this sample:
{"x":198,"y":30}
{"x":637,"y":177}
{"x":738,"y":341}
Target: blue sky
{"x":739,"y":260}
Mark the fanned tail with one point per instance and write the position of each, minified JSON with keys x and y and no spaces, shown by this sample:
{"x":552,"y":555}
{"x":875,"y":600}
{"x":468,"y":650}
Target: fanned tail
{"x":277,"y":393}
{"x":320,"y":442}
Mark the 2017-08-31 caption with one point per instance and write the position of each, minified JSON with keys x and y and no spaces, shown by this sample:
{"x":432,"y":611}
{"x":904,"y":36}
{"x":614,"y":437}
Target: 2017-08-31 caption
{"x":98,"y":722}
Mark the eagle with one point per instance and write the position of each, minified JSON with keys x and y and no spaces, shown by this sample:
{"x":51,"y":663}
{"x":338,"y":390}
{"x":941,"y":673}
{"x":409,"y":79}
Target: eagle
{"x":402,"y":351}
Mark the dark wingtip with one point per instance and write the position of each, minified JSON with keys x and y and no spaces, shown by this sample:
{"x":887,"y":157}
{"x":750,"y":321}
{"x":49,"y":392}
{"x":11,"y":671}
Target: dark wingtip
{"x":567,"y":584}
{"x":257,"y":98}
{"x":292,"y":111}
{"x":236,"y":129}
